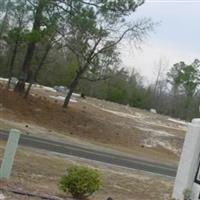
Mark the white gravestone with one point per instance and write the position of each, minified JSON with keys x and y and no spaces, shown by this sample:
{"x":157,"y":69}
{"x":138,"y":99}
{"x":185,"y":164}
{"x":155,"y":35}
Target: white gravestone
{"x":188,"y":176}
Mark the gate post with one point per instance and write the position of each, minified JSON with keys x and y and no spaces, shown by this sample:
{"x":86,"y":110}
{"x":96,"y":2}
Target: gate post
{"x":189,"y":163}
{"x":9,"y":154}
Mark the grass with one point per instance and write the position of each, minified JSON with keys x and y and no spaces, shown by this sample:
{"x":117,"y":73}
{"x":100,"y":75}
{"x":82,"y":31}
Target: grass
{"x":35,"y":171}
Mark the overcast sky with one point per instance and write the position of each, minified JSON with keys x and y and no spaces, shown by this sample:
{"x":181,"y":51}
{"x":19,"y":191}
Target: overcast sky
{"x":177,"y":38}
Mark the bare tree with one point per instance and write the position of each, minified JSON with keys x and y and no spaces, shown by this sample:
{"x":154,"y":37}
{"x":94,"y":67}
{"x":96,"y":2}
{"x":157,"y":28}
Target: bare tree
{"x":99,"y":50}
{"x":160,"y":85}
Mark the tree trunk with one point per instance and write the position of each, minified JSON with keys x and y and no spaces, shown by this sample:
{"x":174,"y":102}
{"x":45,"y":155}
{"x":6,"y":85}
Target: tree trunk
{"x":24,"y":76}
{"x":20,"y":87}
{"x":12,"y":63}
{"x":72,"y":87}
{"x":37,"y":70}
{"x":187,"y":107}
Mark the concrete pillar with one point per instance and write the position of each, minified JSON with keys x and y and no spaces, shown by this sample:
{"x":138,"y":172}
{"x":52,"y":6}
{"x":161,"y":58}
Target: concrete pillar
{"x":189,"y":162}
{"x":9,"y":154}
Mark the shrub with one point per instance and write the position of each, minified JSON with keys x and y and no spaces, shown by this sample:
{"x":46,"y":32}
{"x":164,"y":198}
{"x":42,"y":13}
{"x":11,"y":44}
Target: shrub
{"x":81,"y":182}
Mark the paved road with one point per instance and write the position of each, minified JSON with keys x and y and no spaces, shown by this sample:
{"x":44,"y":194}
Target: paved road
{"x":77,"y":151}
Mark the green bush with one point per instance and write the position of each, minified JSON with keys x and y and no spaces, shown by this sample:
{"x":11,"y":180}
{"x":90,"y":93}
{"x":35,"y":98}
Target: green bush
{"x":81,"y":182}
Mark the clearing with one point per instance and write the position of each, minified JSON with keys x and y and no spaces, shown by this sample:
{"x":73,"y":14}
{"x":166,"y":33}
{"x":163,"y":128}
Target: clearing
{"x":95,"y":124}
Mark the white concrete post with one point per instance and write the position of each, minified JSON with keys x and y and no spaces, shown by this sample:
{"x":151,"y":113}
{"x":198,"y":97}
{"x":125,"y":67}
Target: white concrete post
{"x":189,"y":162}
{"x":9,"y":154}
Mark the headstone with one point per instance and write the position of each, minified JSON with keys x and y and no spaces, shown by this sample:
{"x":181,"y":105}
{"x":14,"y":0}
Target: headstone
{"x":61,"y":89}
{"x":188,"y":174}
{"x":13,"y":80}
{"x":152,"y":110}
{"x":9,"y":154}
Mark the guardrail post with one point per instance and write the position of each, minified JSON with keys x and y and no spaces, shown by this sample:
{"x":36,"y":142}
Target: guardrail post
{"x":9,"y":154}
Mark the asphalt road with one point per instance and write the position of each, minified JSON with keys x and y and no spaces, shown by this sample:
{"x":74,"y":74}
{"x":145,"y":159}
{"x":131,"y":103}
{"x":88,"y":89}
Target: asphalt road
{"x":95,"y":155}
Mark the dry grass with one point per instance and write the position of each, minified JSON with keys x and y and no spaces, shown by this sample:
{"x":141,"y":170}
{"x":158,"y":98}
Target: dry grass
{"x":90,"y":124}
{"x":39,"y":172}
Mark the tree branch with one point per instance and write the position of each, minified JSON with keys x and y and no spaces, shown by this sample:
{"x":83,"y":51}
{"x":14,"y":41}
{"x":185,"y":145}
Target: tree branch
{"x":138,"y":30}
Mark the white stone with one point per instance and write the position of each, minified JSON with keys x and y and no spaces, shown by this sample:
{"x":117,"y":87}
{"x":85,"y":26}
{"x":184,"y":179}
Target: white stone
{"x":61,"y":89}
{"x":152,"y":110}
{"x":14,"y":80}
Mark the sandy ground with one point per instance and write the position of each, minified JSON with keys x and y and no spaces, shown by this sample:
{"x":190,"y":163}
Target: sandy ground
{"x":94,"y":123}
{"x":39,"y":172}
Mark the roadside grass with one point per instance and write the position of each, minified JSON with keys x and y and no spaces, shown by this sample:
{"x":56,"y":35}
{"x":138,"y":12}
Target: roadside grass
{"x":39,"y":172}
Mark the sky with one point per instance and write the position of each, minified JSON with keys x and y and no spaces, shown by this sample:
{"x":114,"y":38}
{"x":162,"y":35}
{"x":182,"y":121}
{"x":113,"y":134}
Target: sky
{"x":175,"y":39}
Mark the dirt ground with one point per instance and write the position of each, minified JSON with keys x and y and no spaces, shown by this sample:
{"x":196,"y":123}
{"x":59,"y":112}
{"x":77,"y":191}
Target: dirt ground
{"x":134,"y":131}
{"x":95,"y":124}
{"x":39,"y":172}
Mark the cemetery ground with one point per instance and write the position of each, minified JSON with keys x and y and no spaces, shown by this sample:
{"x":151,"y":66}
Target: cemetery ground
{"x":95,"y":124}
{"x":38,"y":172}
